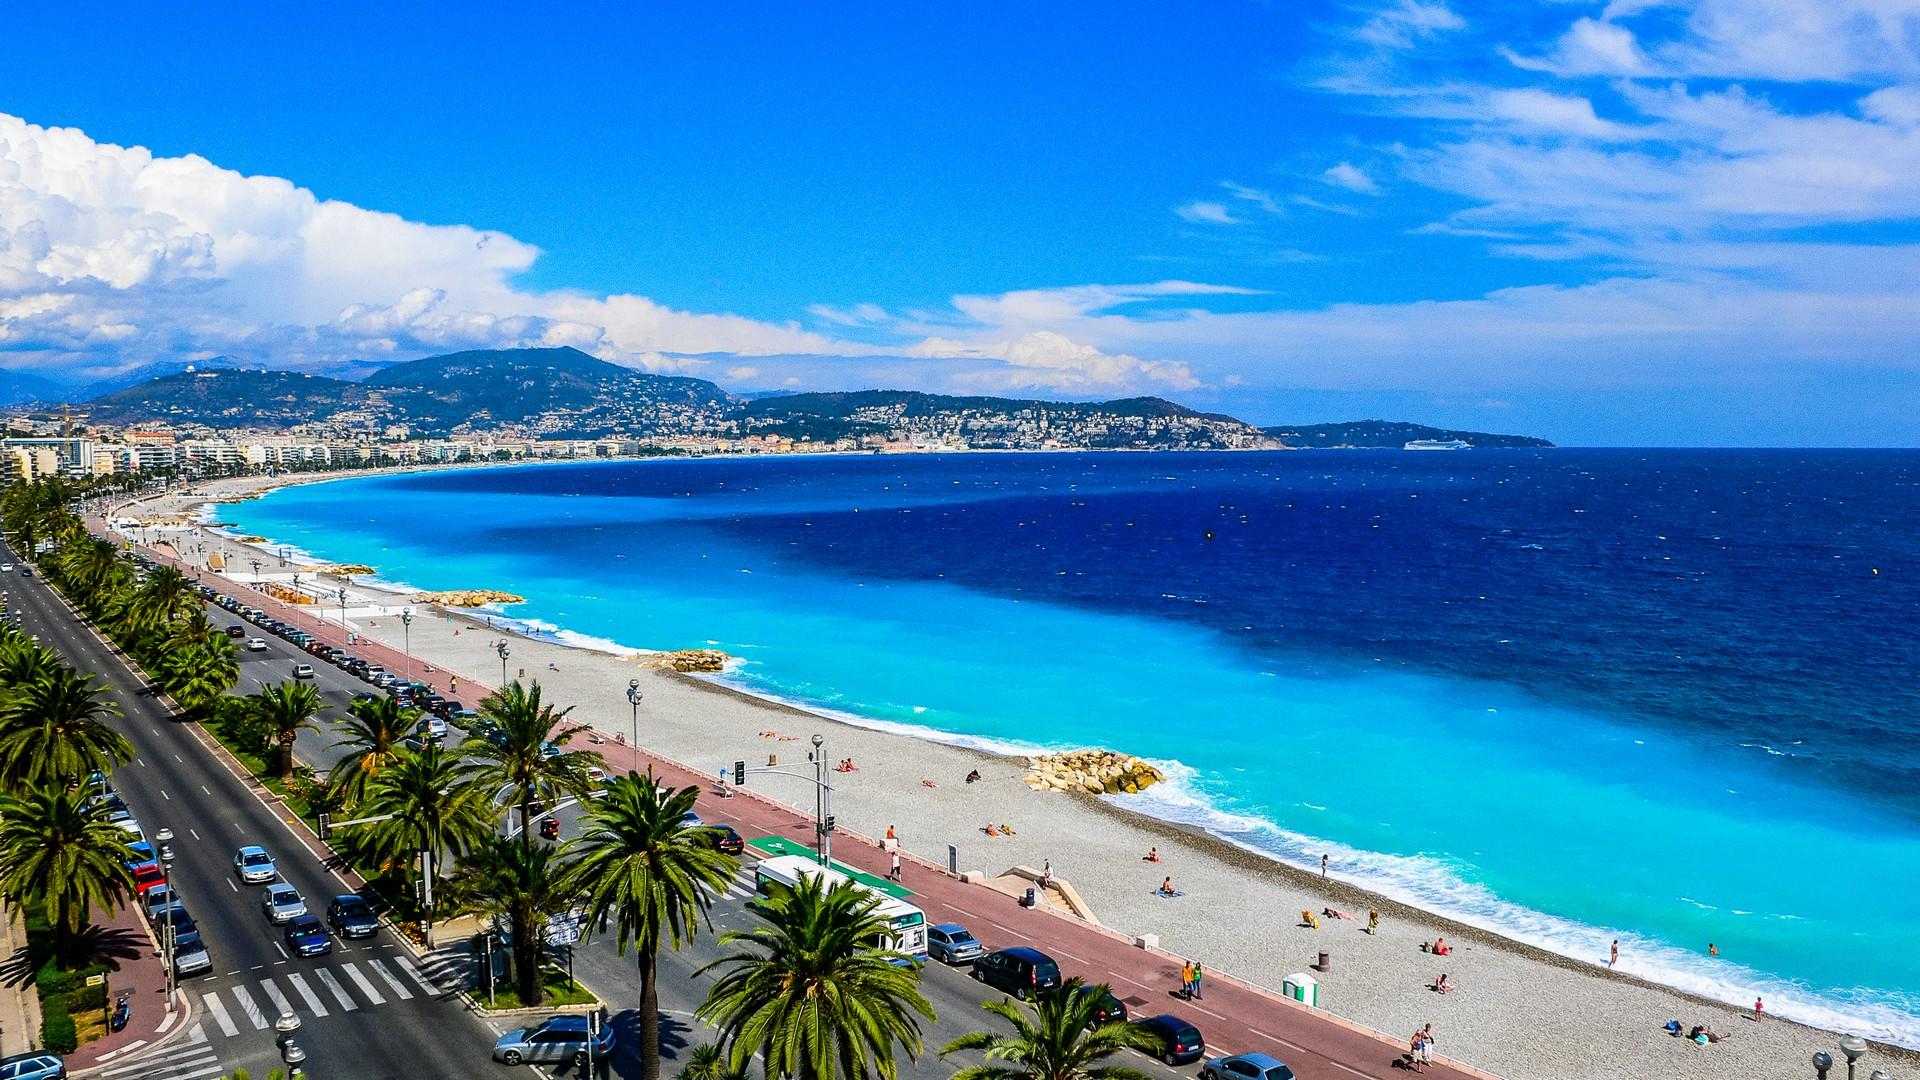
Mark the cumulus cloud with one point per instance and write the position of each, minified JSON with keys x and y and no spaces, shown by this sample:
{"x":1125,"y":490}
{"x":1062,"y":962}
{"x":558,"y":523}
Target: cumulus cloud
{"x":1347,"y":175}
{"x":111,"y":256}
{"x":1207,"y":213}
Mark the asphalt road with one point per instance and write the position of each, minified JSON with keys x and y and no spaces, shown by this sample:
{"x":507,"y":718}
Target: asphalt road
{"x":368,"y":1011}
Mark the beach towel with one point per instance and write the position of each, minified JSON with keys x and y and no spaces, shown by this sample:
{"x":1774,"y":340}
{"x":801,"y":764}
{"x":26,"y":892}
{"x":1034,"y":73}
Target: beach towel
{"x":1168,"y":896}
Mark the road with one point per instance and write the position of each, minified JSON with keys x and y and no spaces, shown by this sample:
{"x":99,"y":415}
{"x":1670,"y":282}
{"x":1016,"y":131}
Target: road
{"x":369,"y":1011}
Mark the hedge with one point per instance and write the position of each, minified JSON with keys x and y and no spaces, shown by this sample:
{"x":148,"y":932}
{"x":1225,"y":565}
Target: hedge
{"x":57,"y":1032}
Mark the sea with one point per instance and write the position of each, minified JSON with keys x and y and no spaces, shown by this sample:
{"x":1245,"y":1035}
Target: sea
{"x":1669,"y":697}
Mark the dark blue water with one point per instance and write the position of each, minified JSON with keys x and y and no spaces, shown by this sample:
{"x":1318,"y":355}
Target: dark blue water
{"x":1691,"y":673}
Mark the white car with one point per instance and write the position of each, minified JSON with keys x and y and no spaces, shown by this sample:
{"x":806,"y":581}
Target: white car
{"x":303,"y":671}
{"x":7,"y":567}
{"x":282,"y":903}
{"x":255,"y":644}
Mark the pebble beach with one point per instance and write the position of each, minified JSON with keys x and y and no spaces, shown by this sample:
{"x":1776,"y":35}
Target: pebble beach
{"x":1516,"y":1011}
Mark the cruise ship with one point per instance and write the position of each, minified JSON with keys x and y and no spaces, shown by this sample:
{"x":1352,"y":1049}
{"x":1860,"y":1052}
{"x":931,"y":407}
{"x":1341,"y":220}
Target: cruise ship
{"x":1438,"y":444}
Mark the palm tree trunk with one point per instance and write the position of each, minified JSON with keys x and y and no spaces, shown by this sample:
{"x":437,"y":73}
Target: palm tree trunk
{"x":526,"y":823}
{"x":649,"y":1012}
{"x":526,"y":963}
{"x":286,"y":758}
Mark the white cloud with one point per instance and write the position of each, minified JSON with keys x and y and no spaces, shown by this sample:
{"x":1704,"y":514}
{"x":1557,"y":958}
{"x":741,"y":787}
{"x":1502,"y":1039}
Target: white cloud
{"x":110,"y":256}
{"x":1401,"y":24}
{"x":1347,"y":175}
{"x":1046,"y":361}
{"x":1210,"y":213}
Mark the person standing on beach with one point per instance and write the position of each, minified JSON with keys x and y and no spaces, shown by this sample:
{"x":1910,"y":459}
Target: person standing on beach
{"x":1373,"y":920}
{"x":1759,"y":1009}
{"x":1613,"y":960}
{"x":1323,"y":866}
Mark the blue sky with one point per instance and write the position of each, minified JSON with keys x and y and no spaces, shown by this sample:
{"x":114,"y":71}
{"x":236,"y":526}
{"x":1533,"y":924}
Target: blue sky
{"x":1607,"y":223}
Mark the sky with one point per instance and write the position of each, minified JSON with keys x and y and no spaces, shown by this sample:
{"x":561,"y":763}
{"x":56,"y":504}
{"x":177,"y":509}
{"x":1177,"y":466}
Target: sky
{"x":1691,"y":223}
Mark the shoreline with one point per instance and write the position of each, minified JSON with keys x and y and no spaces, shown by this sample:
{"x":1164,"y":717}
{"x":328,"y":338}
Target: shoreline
{"x":1305,"y":889}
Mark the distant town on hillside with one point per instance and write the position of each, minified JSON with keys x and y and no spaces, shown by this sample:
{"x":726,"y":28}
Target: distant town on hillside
{"x":561,"y":402}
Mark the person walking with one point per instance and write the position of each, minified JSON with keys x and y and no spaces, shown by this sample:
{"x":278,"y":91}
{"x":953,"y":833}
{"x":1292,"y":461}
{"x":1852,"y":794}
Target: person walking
{"x":1373,"y":920}
{"x":1198,"y":975}
{"x":1186,"y":979}
{"x":1613,"y":959}
{"x":1426,"y":1045}
{"x":1324,"y":859}
{"x":895,"y":872}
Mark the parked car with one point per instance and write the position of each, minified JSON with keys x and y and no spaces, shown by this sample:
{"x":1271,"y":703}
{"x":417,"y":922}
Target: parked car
{"x":255,"y":644}
{"x":254,"y":865}
{"x":303,"y":671}
{"x":148,"y":878}
{"x":561,"y":1038}
{"x":725,"y":838}
{"x":951,"y":943}
{"x":1019,"y":971}
{"x":36,"y":1065}
{"x":434,"y":726}
{"x":282,"y":903}
{"x":307,"y":936}
{"x":1108,"y":1008}
{"x":1246,"y":1067}
{"x":352,"y":917}
{"x":190,"y":956}
{"x":1180,"y":1041}
{"x":158,"y":899}
{"x":139,"y":853}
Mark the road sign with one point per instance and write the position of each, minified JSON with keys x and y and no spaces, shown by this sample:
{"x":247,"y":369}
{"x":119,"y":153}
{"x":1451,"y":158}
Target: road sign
{"x":563,"y":929}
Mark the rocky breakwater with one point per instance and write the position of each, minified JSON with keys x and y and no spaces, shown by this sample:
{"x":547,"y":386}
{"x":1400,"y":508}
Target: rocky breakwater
{"x":1094,"y":772}
{"x":467,"y":598}
{"x":687,"y":660}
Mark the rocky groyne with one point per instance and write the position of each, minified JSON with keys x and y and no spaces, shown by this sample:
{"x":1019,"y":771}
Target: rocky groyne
{"x":1093,"y":772}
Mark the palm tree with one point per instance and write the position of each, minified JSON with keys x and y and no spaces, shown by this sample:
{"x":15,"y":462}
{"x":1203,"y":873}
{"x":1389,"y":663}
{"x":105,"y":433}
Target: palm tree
{"x":57,"y":849}
{"x":95,"y":569}
{"x":640,"y":865}
{"x":707,"y":1062}
{"x":53,"y":730}
{"x":164,"y":598}
{"x":811,"y":993}
{"x":437,"y":807}
{"x":285,"y":711}
{"x":1057,"y":1036}
{"x":522,"y":758}
{"x":521,"y":886}
{"x":198,"y":675}
{"x":371,"y":735}
{"x":22,"y":660}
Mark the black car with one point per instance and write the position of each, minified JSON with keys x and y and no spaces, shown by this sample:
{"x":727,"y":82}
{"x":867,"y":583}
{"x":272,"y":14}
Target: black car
{"x":1180,"y":1042}
{"x":357,"y":666}
{"x":724,"y":838}
{"x":306,"y":937}
{"x":1108,"y":1008}
{"x":236,"y":630}
{"x":1019,"y":971}
{"x":352,"y":917}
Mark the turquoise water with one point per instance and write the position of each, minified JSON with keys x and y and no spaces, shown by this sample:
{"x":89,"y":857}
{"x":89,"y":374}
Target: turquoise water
{"x":939,"y":595}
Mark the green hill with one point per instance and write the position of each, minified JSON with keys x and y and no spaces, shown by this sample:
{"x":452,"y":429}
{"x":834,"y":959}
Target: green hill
{"x":1390,"y":433}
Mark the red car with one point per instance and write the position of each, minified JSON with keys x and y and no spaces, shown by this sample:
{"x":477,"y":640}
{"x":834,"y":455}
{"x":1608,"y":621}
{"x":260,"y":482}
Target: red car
{"x":146,"y":876}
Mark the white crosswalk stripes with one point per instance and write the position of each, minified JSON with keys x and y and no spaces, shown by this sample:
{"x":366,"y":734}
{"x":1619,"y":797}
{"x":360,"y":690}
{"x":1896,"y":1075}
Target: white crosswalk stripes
{"x":322,"y":990}
{"x":347,"y":1004}
{"x":191,"y":1058}
{"x":306,"y":994}
{"x":366,"y":988}
{"x":218,"y":1010}
{"x":740,"y":888}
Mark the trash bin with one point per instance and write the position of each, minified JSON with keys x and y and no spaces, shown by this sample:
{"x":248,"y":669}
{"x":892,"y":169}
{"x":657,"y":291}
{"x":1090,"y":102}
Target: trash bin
{"x":1029,"y":901}
{"x":1302,"y":988}
{"x":1325,"y":964}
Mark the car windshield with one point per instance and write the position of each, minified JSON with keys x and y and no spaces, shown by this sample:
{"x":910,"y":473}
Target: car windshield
{"x":354,"y":908}
{"x":258,"y":858}
{"x":959,"y":937}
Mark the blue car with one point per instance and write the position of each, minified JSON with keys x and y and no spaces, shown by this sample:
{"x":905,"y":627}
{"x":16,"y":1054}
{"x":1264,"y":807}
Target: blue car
{"x":38,"y":1065}
{"x":140,"y":853}
{"x":951,"y":943}
{"x":1246,"y":1067}
{"x":307,"y":936}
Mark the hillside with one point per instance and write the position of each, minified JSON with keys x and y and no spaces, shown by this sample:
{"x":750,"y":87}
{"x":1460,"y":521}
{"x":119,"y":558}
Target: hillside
{"x":225,"y":399}
{"x":570,"y":391}
{"x":993,"y":423}
{"x":1390,"y":433}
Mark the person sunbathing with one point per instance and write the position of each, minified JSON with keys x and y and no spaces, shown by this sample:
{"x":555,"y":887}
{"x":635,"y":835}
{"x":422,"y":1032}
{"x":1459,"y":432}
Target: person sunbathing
{"x":1443,"y":986}
{"x":1152,"y":855}
{"x":973,"y":777}
{"x":1166,"y":887}
{"x":1334,"y":913}
{"x":1007,"y":829}
{"x":991,"y":829}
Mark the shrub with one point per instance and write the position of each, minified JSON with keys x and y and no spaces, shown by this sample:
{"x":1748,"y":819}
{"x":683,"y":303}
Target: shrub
{"x":56,"y":1026}
{"x":88,"y":999}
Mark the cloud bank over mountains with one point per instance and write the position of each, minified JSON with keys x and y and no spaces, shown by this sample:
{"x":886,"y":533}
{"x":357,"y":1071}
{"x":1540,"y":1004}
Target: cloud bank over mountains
{"x":1699,"y":196}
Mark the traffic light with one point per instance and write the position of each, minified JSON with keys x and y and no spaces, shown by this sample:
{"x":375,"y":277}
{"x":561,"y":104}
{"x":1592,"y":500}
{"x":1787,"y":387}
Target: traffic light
{"x":739,"y":773}
{"x":829,"y":822}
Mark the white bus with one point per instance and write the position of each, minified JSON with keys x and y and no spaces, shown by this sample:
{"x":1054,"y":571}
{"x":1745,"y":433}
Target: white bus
{"x":908,"y":924}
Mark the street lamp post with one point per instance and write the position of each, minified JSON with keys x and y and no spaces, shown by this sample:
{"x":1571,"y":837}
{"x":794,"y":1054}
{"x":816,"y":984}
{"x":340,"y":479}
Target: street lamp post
{"x":822,"y":802}
{"x":343,"y":609}
{"x":256,"y":569}
{"x":406,"y":638}
{"x":504,"y":653}
{"x":633,"y":699}
{"x":164,"y":847}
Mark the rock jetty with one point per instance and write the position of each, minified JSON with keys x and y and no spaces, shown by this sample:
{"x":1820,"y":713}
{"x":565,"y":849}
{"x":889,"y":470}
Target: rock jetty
{"x":1095,"y":772}
{"x":697,"y":660}
{"x":467,"y":598}
{"x":346,"y":569}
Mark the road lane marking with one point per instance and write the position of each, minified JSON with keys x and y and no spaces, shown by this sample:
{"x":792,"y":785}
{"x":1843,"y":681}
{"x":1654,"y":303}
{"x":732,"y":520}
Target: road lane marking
{"x":366,"y":988}
{"x":281,"y":951}
{"x":380,"y":969}
{"x":232,"y":886}
{"x":347,"y":1004}
{"x":249,"y":1008}
{"x":179,"y":759}
{"x":193,"y":834}
{"x":220,"y":1015}
{"x":279,"y":999}
{"x":164,"y":795}
{"x":407,"y":966}
{"x":306,"y":993}
{"x":203,"y":787}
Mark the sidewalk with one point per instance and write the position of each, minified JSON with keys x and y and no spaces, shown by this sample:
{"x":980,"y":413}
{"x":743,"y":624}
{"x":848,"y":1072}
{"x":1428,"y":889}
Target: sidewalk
{"x":144,"y":975}
{"x":19,"y":1001}
{"x":1236,"y":1015}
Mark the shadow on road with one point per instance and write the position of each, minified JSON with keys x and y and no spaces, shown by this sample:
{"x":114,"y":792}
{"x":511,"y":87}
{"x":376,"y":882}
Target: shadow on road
{"x":676,"y":1036}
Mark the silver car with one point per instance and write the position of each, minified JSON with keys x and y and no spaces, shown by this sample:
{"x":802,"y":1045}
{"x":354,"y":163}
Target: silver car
{"x":282,"y":903}
{"x":158,"y":899}
{"x":558,"y":1039}
{"x":254,"y":865}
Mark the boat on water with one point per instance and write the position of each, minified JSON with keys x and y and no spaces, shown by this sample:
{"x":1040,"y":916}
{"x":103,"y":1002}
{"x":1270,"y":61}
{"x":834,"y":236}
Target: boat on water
{"x":1438,"y":444}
